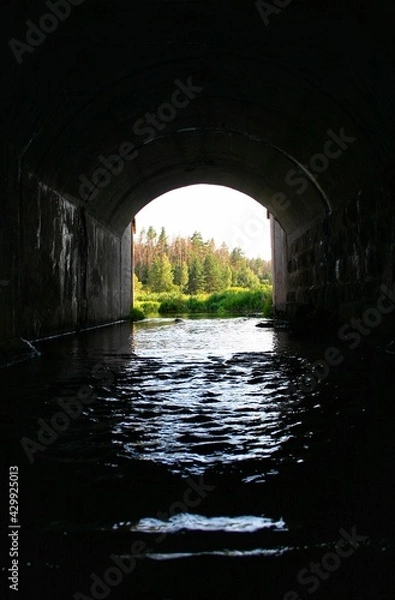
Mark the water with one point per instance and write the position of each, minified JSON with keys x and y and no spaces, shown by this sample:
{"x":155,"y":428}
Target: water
{"x":192,"y":454}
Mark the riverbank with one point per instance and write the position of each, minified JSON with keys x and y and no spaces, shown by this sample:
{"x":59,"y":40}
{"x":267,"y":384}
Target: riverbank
{"x":234,"y":301}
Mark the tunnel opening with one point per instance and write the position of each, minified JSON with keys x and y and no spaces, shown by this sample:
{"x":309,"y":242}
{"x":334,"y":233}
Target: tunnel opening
{"x":265,"y":469}
{"x":201,"y":239}
{"x":290,"y":134}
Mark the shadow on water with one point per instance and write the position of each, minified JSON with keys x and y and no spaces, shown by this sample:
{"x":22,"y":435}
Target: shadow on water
{"x":189,"y":444}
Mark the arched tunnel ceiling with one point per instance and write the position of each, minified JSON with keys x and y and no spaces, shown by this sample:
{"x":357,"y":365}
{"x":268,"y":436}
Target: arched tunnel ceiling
{"x":271,"y":97}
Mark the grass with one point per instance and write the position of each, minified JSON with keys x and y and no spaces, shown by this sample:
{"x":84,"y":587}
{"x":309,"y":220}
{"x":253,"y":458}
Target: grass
{"x":232,"y":301}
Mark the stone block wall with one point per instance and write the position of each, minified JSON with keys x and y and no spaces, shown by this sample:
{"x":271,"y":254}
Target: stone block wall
{"x":341,"y":262}
{"x":65,"y":272}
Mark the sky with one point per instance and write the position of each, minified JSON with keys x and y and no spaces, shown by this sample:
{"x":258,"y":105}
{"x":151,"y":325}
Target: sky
{"x":217,"y":212}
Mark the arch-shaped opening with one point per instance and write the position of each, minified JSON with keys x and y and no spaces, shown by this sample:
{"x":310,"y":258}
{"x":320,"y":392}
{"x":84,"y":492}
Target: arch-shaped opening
{"x":130,"y":162}
{"x":202,"y":239}
{"x":256,"y":112}
{"x":218,"y":212}
{"x":234,"y":159}
{"x":115,"y":104}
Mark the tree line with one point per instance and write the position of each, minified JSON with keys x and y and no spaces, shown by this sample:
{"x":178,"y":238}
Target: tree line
{"x":192,"y":265}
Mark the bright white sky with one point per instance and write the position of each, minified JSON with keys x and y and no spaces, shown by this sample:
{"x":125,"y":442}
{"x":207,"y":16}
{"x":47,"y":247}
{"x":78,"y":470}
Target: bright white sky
{"x":217,"y":212}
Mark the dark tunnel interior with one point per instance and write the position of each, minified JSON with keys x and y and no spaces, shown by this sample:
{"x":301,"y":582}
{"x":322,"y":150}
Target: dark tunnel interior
{"x":106,"y":105}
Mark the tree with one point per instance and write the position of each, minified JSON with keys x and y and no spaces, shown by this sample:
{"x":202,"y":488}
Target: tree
{"x":162,"y":247}
{"x":262,"y":268}
{"x":160,"y":277}
{"x":226,"y":277}
{"x":223,"y":254}
{"x":212,"y":274}
{"x":137,"y":285}
{"x":151,"y":236}
{"x":197,"y":244}
{"x":237,"y":258}
{"x":246,"y":278}
{"x":196,"y":276}
{"x":181,"y":276}
{"x":150,"y":250}
{"x":194,"y":265}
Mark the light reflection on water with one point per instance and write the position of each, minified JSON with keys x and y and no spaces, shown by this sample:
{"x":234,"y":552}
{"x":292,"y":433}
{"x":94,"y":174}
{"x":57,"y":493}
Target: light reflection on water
{"x":204,"y":397}
{"x":194,"y":402}
{"x":191,"y":522}
{"x":200,"y":337}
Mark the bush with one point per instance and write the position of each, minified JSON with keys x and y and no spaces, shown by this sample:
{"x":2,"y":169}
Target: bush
{"x":235,"y":300}
{"x":268,"y":306}
{"x":173,"y":305}
{"x":136,"y":314}
{"x":148,"y":307}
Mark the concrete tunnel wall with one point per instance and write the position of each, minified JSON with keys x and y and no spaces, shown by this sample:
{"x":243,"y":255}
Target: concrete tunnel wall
{"x":296,"y":112}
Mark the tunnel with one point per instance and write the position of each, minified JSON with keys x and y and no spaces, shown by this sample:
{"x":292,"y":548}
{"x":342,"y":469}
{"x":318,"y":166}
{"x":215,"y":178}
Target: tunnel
{"x":106,"y":105}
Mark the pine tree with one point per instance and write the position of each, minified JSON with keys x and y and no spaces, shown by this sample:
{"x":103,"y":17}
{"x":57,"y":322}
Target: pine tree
{"x":212,"y":274}
{"x":162,"y":247}
{"x":194,"y":265}
{"x":149,"y":254}
{"x":197,"y":245}
{"x":246,"y":278}
{"x":196,"y":276}
{"x":181,"y":276}
{"x":226,"y":277}
{"x":160,"y":277}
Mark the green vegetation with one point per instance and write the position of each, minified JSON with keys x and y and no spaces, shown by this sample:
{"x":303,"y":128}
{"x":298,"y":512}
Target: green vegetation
{"x":232,"y":301}
{"x":191,"y":265}
{"x":190,"y":275}
{"x":228,"y":302}
{"x":136,"y":314}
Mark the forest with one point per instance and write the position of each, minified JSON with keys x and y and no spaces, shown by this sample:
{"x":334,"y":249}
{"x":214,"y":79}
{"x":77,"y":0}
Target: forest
{"x":190,"y":274}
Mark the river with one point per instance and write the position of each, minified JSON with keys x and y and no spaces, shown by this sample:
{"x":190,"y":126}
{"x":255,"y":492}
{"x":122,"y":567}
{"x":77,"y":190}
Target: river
{"x":184,"y":463}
